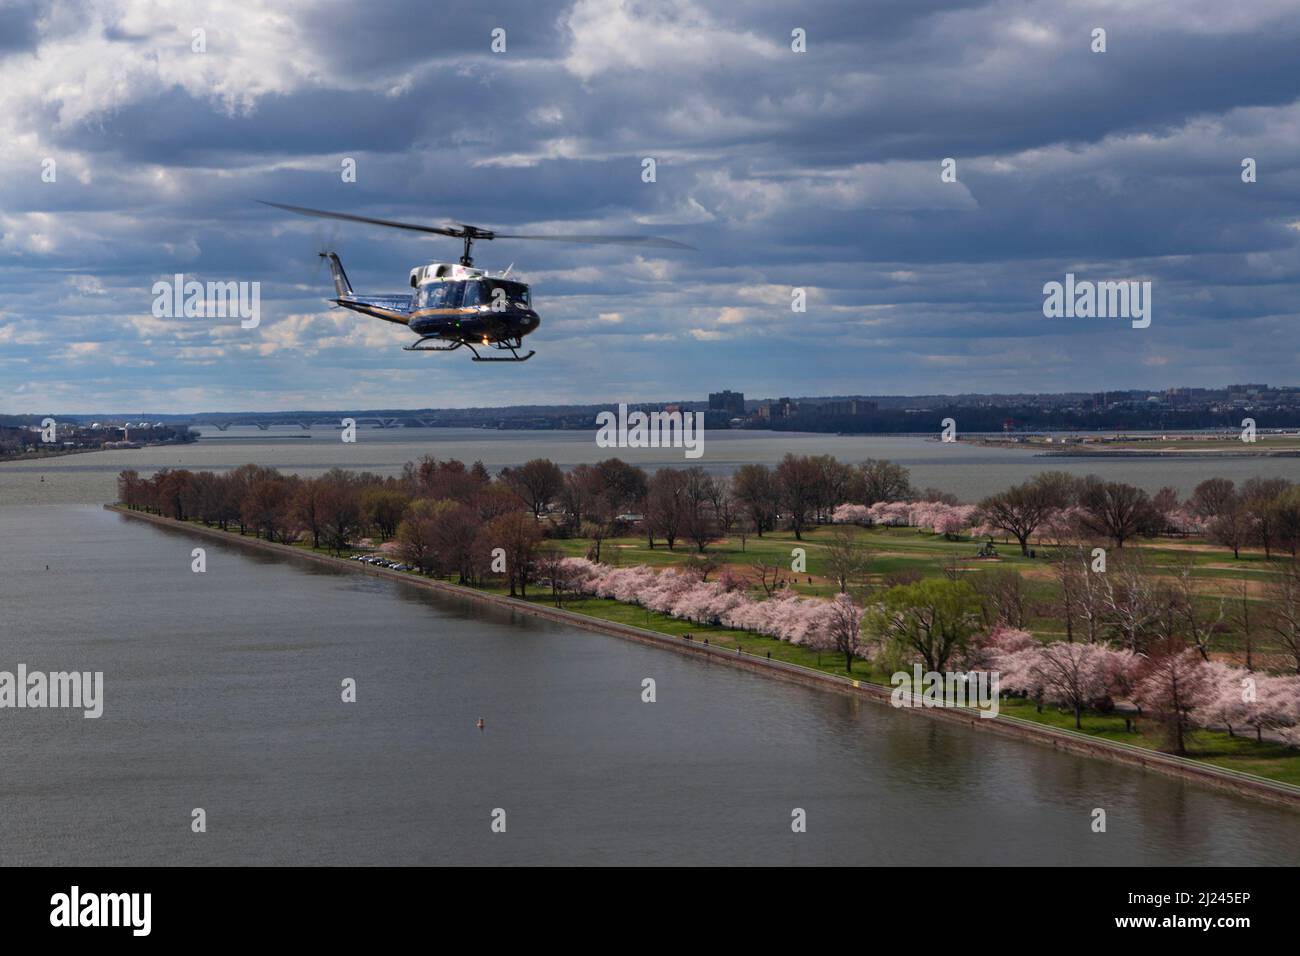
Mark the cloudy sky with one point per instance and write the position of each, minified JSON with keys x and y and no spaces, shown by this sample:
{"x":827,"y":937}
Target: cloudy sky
{"x":818,"y":170}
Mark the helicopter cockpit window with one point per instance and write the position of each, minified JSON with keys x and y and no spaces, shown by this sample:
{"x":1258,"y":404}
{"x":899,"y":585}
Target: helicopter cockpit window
{"x":442,"y":295}
{"x":475,"y":294}
{"x":516,"y":293}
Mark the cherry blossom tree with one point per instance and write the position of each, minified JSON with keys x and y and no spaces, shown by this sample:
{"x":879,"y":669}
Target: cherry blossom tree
{"x":1075,"y":676}
{"x":1171,"y":687}
{"x":851,"y":514}
{"x":844,"y":627}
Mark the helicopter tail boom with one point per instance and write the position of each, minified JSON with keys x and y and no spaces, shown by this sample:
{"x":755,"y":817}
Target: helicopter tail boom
{"x":341,"y":284}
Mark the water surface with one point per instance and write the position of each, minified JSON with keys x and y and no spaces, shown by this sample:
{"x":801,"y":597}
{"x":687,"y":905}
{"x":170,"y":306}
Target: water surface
{"x":223,"y":692}
{"x":968,"y":471}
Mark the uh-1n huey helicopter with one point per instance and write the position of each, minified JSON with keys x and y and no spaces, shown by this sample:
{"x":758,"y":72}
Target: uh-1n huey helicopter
{"x":455,"y":304}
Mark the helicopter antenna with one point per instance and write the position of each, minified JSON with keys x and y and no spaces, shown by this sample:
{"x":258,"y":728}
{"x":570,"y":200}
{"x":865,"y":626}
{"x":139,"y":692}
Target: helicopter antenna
{"x":467,"y":233}
{"x":507,"y":272}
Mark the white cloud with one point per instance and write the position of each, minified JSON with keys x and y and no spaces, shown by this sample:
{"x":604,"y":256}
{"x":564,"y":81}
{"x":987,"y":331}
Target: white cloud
{"x":617,"y":35}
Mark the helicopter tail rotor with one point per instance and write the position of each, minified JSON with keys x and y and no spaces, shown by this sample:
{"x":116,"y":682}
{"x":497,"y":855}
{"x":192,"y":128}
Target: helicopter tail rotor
{"x":311,"y":252}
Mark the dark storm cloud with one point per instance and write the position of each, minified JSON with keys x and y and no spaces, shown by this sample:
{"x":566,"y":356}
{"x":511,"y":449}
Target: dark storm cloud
{"x":360,"y":39}
{"x":18,"y":25}
{"x":818,"y":170}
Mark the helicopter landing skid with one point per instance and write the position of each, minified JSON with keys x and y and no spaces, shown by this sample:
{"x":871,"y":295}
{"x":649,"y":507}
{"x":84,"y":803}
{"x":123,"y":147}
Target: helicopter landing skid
{"x":502,"y":345}
{"x":419,"y":345}
{"x":514,"y":357}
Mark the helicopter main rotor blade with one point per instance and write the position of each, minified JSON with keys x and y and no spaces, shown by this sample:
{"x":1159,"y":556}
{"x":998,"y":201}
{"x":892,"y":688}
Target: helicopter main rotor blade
{"x":464,"y":230}
{"x":349,"y":217}
{"x":655,"y":242}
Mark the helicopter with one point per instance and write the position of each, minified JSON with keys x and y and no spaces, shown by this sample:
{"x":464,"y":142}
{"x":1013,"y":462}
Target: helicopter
{"x":455,"y":305}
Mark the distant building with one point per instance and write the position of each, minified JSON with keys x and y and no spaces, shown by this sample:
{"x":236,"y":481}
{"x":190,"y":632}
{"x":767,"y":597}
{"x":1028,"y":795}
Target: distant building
{"x":1237,"y":393}
{"x":727,"y":401}
{"x":852,"y":406}
{"x":779,"y":410}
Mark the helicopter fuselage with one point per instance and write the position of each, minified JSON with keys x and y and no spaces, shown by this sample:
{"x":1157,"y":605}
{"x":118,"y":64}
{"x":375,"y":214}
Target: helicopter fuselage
{"x":455,"y":302}
{"x":451,"y":303}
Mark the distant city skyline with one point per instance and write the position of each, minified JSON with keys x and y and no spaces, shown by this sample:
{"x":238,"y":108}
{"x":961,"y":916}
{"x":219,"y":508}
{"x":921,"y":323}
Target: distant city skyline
{"x":737,"y":401}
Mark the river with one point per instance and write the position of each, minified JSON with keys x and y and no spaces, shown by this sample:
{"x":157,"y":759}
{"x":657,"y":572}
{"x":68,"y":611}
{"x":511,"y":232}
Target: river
{"x":222,"y":692}
{"x":968,"y":471}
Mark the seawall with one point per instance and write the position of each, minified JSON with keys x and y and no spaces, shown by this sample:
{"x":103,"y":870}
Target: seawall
{"x":1065,"y":740}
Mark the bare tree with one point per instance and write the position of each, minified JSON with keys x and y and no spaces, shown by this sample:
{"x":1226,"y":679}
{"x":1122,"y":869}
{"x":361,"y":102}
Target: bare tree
{"x":699,"y":521}
{"x":755,"y":491}
{"x":880,"y":480}
{"x":1228,"y":520}
{"x":703,"y":564}
{"x":597,"y":531}
{"x":1245,"y":623}
{"x":537,"y":483}
{"x":1115,"y":510}
{"x":1131,"y":601}
{"x":1194,"y":622}
{"x":340,"y":510}
{"x":517,"y":534}
{"x":1091,"y":593}
{"x":725,"y":512}
{"x":1066,"y":568}
{"x":798,"y":479}
{"x":665,"y":505}
{"x":1231,"y":529}
{"x":1002,"y":597}
{"x":1212,"y":497}
{"x":577,"y":494}
{"x":744,"y":528}
{"x":770,"y":578}
{"x":1260,"y":497}
{"x":1282,"y":618}
{"x":846,"y":556}
{"x":1020,"y":510}
{"x":551,"y":569}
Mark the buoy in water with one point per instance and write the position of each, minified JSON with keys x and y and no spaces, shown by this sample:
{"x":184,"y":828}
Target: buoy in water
{"x":479,"y":723}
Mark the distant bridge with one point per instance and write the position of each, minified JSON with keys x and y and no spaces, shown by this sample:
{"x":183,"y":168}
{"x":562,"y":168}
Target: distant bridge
{"x":265,"y":424}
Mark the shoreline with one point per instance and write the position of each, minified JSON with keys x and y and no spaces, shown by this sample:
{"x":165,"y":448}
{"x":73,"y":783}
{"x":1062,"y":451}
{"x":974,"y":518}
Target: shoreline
{"x":67,"y":452}
{"x":1199,"y":455}
{"x":1069,"y":741}
{"x":1039,"y":450}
